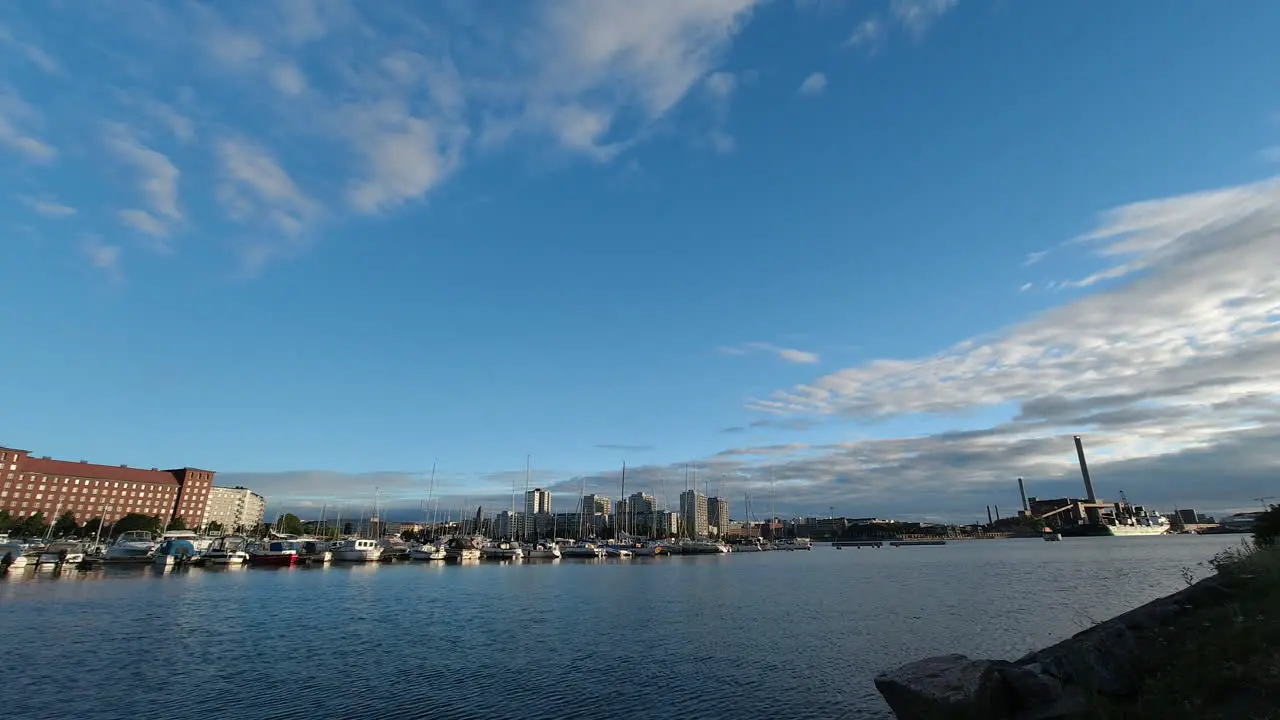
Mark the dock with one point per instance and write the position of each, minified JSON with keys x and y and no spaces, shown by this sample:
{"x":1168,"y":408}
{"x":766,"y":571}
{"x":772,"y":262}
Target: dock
{"x":914,"y":543}
{"x":857,"y":544}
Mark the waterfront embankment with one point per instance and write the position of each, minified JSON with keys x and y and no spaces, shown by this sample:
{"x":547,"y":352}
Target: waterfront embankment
{"x":1207,"y":651}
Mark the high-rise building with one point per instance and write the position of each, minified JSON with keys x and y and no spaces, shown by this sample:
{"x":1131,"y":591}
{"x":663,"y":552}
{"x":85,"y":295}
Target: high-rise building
{"x":235,"y":508}
{"x":30,"y":485}
{"x":693,"y":514}
{"x":592,"y":504}
{"x":537,"y":501}
{"x":718,"y":515}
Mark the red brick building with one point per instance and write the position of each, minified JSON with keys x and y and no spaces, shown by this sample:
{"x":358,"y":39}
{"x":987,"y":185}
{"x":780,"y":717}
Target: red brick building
{"x":41,"y":484}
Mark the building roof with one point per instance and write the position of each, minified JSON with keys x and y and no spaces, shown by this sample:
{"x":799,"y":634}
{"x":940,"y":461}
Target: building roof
{"x":99,"y":472}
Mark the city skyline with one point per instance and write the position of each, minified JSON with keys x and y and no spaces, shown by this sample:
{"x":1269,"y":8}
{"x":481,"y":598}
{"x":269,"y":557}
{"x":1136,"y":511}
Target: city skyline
{"x":884,"y":256}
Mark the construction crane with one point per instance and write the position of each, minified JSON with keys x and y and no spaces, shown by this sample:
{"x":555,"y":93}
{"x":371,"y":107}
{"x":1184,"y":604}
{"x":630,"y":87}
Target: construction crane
{"x":1263,"y":501}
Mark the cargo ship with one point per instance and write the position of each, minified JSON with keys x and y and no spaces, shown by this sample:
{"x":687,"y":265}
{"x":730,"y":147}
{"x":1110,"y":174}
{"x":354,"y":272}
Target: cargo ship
{"x":1091,"y":517}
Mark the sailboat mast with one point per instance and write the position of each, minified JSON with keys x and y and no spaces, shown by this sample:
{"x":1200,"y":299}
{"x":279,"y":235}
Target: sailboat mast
{"x":528,"y":460}
{"x":624,"y":493}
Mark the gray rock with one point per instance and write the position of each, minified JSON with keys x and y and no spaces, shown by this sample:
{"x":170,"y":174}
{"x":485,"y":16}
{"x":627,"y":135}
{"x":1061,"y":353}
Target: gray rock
{"x":949,"y":687}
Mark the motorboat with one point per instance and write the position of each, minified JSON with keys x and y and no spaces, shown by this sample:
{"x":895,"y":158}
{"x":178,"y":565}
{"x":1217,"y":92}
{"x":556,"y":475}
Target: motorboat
{"x":393,"y":548}
{"x":227,"y":550}
{"x":60,"y":555}
{"x":460,"y":548}
{"x":751,"y":545}
{"x":11,"y":556}
{"x":541,"y":551}
{"x":200,"y":543}
{"x":175,"y":551}
{"x":582,"y":549}
{"x":315,"y":551}
{"x":617,"y":551}
{"x":276,"y":553}
{"x":135,"y":546}
{"x":427,"y":552}
{"x":703,"y":547}
{"x":502,"y":550}
{"x":357,"y":550}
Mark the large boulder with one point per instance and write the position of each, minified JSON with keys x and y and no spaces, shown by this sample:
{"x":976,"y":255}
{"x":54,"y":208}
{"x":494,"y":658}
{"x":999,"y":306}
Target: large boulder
{"x":949,"y":687}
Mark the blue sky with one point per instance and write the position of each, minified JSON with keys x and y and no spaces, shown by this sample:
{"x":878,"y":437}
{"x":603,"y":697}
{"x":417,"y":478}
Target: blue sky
{"x":316,"y":245}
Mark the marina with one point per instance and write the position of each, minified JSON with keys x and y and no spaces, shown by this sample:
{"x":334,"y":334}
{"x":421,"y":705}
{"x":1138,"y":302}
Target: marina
{"x":602,"y":630}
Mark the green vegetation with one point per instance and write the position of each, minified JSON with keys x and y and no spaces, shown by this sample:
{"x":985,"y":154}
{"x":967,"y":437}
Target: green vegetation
{"x":1221,"y":661}
{"x":1018,"y":525}
{"x":6,"y":521}
{"x":66,"y":525}
{"x":1266,"y":528}
{"x":177,"y":523}
{"x":33,"y":526}
{"x":289,"y":524}
{"x":136,"y":521}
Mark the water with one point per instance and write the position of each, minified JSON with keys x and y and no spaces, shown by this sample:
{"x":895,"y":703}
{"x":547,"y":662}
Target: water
{"x":791,"y":634}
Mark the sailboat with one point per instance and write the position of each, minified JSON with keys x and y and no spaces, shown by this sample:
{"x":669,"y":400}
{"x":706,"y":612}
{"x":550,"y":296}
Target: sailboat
{"x":508,"y":549}
{"x":425,"y":550}
{"x":537,"y":549}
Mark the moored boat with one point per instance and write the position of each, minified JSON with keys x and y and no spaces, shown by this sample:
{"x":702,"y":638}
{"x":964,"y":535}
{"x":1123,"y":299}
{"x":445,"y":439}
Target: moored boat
{"x":227,"y":550}
{"x":11,"y":556}
{"x":582,"y":549}
{"x":314,"y":551}
{"x":502,"y":550}
{"x":277,"y":553}
{"x":541,"y":551}
{"x":133,"y":547}
{"x":459,"y":548}
{"x":60,"y":555}
{"x":427,"y":552}
{"x":357,"y":550}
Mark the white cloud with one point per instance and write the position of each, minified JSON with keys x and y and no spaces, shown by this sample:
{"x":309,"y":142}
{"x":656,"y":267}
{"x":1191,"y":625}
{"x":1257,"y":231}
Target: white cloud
{"x":814,"y":84}
{"x":1182,"y":355}
{"x":47,"y":206}
{"x":867,"y":34}
{"x":144,"y":222}
{"x":790,"y":355}
{"x":721,"y":84}
{"x":288,"y":79}
{"x":259,"y":193}
{"x":917,"y":16}
{"x":29,"y":51}
{"x":159,"y":176}
{"x":104,"y":257}
{"x":236,"y":49}
{"x":1025,"y":287}
{"x":721,"y":141}
{"x":15,"y":114}
{"x":406,"y":156}
{"x":1035,"y":257}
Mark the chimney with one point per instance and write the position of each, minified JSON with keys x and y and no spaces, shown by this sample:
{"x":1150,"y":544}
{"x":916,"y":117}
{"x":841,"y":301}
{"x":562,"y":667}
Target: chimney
{"x":988,"y":514}
{"x":1022,"y":490}
{"x":1084,"y":470}
{"x":997,"y":512}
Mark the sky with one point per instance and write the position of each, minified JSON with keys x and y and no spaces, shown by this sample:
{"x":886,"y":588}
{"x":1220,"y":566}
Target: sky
{"x":869,"y":257}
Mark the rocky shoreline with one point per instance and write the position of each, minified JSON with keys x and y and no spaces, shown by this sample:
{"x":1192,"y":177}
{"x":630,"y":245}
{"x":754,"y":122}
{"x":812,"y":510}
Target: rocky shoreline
{"x":1106,"y":664}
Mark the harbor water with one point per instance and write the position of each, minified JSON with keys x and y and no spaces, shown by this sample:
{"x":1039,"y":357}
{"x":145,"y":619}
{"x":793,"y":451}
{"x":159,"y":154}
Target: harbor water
{"x":785,"y":634}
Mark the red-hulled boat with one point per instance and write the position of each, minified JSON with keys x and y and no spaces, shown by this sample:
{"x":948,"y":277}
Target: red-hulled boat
{"x":277,"y":553}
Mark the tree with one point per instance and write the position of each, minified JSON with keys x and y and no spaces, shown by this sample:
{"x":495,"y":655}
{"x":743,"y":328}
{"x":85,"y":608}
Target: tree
{"x":136,"y":521}
{"x":346,"y":528}
{"x":213,"y":527}
{"x":177,"y":523}
{"x":6,"y":521}
{"x":408,"y":536}
{"x":91,"y":527}
{"x":289,"y":524}
{"x":33,"y":526}
{"x":1266,"y":527}
{"x":66,"y":524}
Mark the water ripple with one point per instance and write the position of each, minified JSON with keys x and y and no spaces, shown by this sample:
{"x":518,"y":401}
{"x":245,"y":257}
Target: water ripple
{"x":796,"y":635}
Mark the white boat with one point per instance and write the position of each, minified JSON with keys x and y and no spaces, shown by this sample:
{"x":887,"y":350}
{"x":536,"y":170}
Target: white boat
{"x":393,"y":548}
{"x":314,"y":551}
{"x":228,"y":550}
{"x":460,"y":548}
{"x":358,"y":550}
{"x":60,"y":555}
{"x":542,"y":551}
{"x":199,"y":542}
{"x":427,"y":552}
{"x":11,"y":556}
{"x":502,"y":550}
{"x":617,"y":551}
{"x":175,"y":551}
{"x":703,"y":547}
{"x":750,"y":545}
{"x":582,"y":549}
{"x":135,"y":546}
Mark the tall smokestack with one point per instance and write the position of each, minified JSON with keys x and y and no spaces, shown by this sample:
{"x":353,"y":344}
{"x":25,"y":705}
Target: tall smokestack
{"x":1022,"y":490}
{"x":997,"y":512}
{"x":1084,"y":470}
{"x":988,"y":514}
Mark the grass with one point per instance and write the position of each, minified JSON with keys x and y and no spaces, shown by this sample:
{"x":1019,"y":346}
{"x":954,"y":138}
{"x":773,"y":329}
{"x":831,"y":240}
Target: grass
{"x":1221,"y":661}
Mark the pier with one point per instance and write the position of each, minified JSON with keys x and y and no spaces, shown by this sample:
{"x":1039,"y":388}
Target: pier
{"x":857,"y":544}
